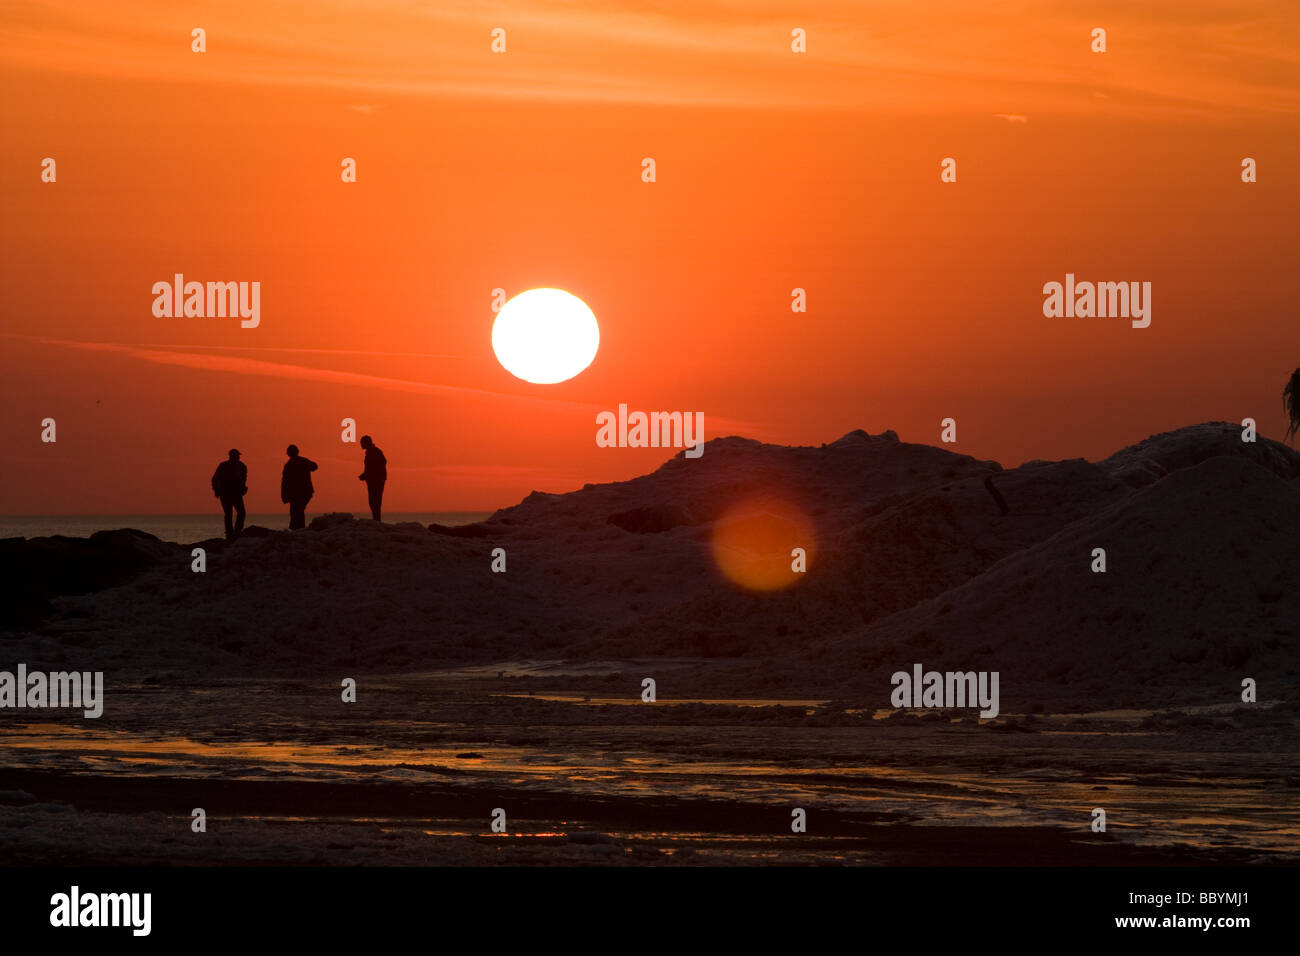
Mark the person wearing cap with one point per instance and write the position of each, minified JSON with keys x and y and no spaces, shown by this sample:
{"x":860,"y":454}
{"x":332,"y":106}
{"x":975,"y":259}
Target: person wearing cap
{"x":230,"y":484}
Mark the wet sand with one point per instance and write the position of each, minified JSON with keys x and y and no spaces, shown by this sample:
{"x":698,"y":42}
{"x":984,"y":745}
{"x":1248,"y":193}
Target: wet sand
{"x":411,"y":773}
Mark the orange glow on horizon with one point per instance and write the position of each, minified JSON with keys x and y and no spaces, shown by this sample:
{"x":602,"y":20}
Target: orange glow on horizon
{"x":477,"y":171}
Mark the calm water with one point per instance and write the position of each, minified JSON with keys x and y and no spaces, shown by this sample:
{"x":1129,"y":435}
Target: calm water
{"x":184,"y":529}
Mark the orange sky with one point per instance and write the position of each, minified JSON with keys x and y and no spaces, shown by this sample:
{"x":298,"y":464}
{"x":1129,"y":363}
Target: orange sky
{"x":517,"y":170}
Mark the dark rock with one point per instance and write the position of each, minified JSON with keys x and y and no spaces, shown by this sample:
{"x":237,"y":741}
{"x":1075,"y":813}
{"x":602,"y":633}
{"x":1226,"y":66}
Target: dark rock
{"x":335,"y":519}
{"x":43,"y":568}
{"x":651,"y":520}
{"x":477,"y":530}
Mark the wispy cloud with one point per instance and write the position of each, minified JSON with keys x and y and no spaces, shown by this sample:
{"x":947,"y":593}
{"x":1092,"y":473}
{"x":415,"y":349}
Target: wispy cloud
{"x":295,"y":350}
{"x":949,"y":55}
{"x":239,"y":365}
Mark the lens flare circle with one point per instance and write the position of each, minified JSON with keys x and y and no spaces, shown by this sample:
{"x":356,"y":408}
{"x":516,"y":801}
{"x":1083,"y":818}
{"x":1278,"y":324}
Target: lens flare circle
{"x":754,"y":543}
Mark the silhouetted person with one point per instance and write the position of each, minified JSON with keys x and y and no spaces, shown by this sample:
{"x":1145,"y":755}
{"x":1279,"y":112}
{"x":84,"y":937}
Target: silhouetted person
{"x":374,"y":475}
{"x":230,"y":484}
{"x":295,"y":486}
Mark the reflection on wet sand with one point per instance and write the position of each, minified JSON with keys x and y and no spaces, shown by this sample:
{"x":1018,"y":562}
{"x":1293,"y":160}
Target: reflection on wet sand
{"x":592,"y":775}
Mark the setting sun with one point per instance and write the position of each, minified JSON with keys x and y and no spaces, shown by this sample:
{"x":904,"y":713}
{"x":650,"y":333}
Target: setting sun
{"x":545,"y":336}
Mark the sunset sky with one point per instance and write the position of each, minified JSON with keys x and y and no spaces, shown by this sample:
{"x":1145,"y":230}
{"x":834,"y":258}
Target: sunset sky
{"x":775,"y":170}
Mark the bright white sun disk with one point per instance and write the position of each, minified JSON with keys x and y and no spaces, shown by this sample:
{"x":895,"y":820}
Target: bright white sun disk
{"x":545,"y":336}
